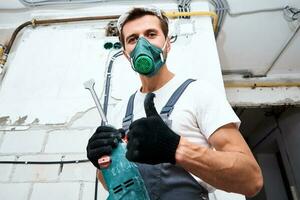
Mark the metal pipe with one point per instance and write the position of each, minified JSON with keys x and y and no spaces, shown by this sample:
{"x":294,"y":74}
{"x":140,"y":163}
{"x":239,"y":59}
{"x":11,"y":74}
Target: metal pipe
{"x":106,"y":98}
{"x":76,"y":19}
{"x":2,"y":57}
{"x":14,"y":35}
{"x":235,"y":84}
{"x":36,"y":22}
{"x":253,"y":12}
{"x":2,"y":61}
{"x":245,"y":73}
{"x":282,"y":50}
{"x":1,"y":50}
{"x":221,"y":14}
{"x":56,"y":2}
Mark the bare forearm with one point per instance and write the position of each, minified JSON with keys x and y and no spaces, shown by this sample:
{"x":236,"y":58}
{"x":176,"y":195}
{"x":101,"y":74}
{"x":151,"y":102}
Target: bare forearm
{"x":101,"y":179}
{"x":229,"y":171}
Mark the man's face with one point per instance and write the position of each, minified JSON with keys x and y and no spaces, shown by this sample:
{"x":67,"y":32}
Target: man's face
{"x":147,"y":26}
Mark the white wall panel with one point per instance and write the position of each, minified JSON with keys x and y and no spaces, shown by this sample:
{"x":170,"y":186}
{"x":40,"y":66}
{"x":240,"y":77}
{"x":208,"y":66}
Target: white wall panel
{"x":240,"y":6}
{"x":47,"y":66}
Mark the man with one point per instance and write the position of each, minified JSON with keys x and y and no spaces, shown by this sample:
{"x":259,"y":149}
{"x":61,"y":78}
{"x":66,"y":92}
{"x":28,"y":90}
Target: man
{"x":197,"y":145}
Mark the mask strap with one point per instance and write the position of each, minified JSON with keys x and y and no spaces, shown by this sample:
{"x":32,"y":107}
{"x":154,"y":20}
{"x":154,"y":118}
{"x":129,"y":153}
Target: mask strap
{"x":161,"y":57}
{"x":131,"y":63}
{"x":163,"y":48}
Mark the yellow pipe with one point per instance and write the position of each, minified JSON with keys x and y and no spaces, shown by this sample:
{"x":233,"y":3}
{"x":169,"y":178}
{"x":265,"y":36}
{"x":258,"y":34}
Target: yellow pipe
{"x":196,"y":13}
{"x":35,"y":22}
{"x":1,"y":51}
{"x":2,"y":57}
{"x":261,"y":84}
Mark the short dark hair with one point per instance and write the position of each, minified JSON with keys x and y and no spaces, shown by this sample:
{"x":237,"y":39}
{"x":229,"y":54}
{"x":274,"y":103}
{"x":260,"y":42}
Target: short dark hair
{"x":136,"y":13}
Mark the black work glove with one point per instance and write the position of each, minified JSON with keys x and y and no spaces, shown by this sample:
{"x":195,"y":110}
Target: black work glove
{"x":102,"y":142}
{"x":150,"y":140}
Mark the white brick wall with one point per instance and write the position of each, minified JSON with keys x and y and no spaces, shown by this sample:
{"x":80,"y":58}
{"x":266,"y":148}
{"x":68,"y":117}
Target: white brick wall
{"x":79,"y":171}
{"x":36,"y":173}
{"x":50,"y":191}
{"x":12,"y":191}
{"x":5,"y":169}
{"x":35,"y":182}
{"x":67,"y":141}
{"x":20,"y":142}
{"x":91,"y":118}
{"x":1,"y":136}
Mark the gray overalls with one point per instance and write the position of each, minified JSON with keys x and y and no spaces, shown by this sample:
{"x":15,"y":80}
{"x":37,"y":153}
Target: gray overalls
{"x":166,"y":181}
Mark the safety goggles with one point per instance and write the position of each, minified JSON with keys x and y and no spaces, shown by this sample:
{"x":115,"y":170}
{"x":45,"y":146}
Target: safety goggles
{"x":156,"y":11}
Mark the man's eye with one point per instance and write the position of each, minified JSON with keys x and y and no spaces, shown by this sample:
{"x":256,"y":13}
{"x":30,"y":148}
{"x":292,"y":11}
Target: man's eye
{"x":152,"y":34}
{"x":132,"y":40}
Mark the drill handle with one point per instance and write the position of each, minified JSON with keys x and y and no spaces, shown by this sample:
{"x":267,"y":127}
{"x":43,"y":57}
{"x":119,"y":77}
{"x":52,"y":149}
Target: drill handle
{"x":105,"y":161}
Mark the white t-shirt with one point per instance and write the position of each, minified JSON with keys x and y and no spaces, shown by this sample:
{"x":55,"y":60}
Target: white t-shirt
{"x":198,"y":113}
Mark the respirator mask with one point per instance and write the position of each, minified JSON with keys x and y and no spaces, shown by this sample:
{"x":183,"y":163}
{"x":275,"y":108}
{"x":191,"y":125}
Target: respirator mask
{"x":146,"y":58}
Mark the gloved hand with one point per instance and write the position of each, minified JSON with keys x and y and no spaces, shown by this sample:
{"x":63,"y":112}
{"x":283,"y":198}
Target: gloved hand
{"x":102,"y":142}
{"x":150,"y":140}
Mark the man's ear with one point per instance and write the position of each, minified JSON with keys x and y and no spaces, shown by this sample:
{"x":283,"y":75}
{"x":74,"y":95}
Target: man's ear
{"x":168,"y":45}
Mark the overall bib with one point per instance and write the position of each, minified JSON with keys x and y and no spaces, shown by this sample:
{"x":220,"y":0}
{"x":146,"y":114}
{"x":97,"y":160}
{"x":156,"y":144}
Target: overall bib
{"x":166,"y":181}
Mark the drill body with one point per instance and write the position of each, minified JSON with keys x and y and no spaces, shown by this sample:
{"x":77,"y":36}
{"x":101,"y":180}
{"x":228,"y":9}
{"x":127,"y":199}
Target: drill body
{"x":122,"y":178}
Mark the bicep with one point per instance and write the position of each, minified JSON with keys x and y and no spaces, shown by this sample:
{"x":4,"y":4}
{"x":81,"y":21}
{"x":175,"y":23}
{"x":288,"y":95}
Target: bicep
{"x":229,"y":139}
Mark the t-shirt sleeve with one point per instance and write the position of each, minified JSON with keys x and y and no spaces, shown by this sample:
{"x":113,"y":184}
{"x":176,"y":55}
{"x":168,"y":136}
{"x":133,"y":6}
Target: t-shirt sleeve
{"x":213,"y":110}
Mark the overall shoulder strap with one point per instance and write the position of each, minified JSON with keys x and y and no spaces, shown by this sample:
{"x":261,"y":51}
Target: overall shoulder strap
{"x":129,"y":113}
{"x":168,"y":108}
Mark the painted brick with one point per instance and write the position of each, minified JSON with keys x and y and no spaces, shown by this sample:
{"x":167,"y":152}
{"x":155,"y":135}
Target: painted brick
{"x":14,"y":191}
{"x":80,"y":171}
{"x":5,"y":169}
{"x":50,"y":191}
{"x":67,"y":141}
{"x":37,"y":172}
{"x":22,"y":142}
{"x":14,"y":128}
{"x":89,"y":192}
{"x":90,"y":119}
{"x":1,"y":136}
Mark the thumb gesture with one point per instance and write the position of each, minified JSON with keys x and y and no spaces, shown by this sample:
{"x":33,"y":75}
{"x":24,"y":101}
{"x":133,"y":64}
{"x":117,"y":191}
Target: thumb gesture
{"x":150,"y":140}
{"x":149,"y":106}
